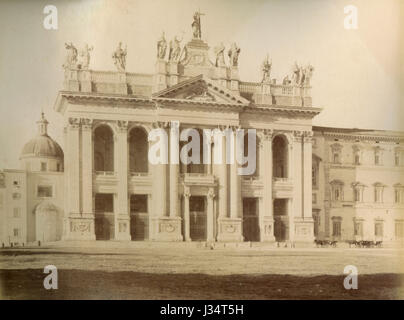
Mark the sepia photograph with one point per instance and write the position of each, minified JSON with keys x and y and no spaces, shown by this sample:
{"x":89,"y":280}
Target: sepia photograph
{"x":174,"y":150}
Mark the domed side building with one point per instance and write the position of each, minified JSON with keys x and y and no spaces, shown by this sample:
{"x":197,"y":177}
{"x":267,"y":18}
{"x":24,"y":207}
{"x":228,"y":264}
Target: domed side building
{"x":31,"y":198}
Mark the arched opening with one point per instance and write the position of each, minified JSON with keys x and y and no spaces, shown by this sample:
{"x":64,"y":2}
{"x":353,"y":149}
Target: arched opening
{"x":103,"y":149}
{"x":280,"y":157}
{"x":138,"y":150}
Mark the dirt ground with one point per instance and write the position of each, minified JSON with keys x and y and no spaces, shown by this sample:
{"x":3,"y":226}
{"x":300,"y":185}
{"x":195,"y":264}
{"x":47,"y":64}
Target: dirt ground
{"x":175,"y":272}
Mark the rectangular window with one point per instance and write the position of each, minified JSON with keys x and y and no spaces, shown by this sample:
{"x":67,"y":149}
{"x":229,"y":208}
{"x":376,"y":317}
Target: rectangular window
{"x":336,"y":157}
{"x":58,"y":167}
{"x":358,"y":229}
{"x":377,"y":159}
{"x":397,"y":159}
{"x":336,"y":228}
{"x":16,"y":212}
{"x":314,"y":198}
{"x":399,"y":229}
{"x":16,"y":196}
{"x":379,"y":229}
{"x":44,"y":191}
{"x":357,"y":159}
{"x":16,"y":232}
{"x":397,"y":196}
{"x":43,"y":166}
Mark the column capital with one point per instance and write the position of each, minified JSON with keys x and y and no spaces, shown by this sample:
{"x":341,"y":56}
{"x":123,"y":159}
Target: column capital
{"x":298,"y":135}
{"x":122,"y":125}
{"x":211,"y":194}
{"x":161,"y":124}
{"x":73,"y":123}
{"x":265,"y":134}
{"x":86,"y":124}
{"x":308,"y":136}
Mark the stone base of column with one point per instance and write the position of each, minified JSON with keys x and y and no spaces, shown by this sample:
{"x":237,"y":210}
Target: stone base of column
{"x":122,"y":228}
{"x":267,"y":230}
{"x":229,"y":229}
{"x":303,"y":229}
{"x":79,"y":227}
{"x":166,"y":229}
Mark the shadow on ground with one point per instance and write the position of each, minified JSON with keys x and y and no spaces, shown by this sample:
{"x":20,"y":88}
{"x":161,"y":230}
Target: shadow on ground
{"x":80,"y":284}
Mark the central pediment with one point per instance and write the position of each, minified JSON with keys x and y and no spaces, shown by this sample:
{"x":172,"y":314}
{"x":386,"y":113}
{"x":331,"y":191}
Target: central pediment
{"x":201,"y":89}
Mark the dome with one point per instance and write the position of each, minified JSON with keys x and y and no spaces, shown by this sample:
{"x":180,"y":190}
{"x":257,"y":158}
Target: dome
{"x":42,"y":145}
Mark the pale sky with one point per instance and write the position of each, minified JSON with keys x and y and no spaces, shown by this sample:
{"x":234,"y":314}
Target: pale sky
{"x":358,"y":77}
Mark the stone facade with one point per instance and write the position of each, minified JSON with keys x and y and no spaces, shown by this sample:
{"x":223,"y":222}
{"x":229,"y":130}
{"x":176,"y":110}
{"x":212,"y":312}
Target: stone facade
{"x":107,"y":189}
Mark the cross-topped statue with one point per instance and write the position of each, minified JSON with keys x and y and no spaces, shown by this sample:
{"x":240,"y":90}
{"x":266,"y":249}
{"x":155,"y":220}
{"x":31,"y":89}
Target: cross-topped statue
{"x":196,"y":25}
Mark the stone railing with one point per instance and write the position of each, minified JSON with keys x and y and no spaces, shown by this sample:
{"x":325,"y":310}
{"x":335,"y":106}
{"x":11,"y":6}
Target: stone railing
{"x":197,"y":178}
{"x":105,"y":173}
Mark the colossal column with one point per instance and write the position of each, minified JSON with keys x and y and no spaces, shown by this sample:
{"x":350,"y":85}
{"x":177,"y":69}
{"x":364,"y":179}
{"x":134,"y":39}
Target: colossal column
{"x":187,"y":195}
{"x":87,"y":165}
{"x":266,"y":217}
{"x":122,"y":219}
{"x":210,"y":216}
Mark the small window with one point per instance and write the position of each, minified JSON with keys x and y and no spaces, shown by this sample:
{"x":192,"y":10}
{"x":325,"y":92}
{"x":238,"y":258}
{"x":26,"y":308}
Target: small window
{"x":16,"y":212}
{"x":399,"y":229}
{"x":357,"y":159}
{"x":397,"y":195}
{"x":397,"y":159}
{"x":44,"y":191}
{"x":358,"y":229}
{"x":357,"y":195}
{"x":378,"y":194}
{"x":58,"y":167}
{"x":336,"y":157}
{"x":314,"y":198}
{"x":336,"y":228}
{"x":43,"y":166}
{"x":16,"y":232}
{"x":379,"y":229}
{"x":16,"y":196}
{"x":337,"y":194}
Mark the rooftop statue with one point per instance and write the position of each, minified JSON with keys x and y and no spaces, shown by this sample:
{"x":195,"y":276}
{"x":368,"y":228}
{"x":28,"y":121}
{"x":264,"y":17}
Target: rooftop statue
{"x":71,"y":59}
{"x":196,"y":25}
{"x":297,"y":74}
{"x":85,"y":57}
{"x":233,"y":53}
{"x":219,"y":52}
{"x":266,"y":69}
{"x":307,"y":74}
{"x":161,"y":47}
{"x":175,"y":50}
{"x":119,"y":57}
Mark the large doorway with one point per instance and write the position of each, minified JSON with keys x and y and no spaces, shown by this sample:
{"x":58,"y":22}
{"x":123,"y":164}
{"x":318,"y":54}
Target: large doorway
{"x":197,"y":219}
{"x":251,"y":231}
{"x":104,"y":216}
{"x":281,"y":220}
{"x":139,"y":217}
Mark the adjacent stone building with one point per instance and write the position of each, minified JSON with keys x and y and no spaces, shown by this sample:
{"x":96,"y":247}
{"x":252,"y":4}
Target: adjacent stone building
{"x":310,"y":181}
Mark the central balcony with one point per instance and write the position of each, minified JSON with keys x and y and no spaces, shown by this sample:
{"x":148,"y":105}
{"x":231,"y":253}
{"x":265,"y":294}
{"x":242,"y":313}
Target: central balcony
{"x":282,"y":187}
{"x":198,"y":178}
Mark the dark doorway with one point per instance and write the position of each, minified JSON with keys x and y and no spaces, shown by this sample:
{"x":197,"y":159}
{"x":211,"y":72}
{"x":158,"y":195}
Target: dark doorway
{"x":197,"y":219}
{"x":139,"y":217}
{"x":281,"y":220}
{"x":104,"y":216}
{"x":251,"y":231}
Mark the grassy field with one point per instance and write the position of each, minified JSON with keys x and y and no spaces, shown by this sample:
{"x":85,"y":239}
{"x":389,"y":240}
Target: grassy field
{"x":153,"y":272}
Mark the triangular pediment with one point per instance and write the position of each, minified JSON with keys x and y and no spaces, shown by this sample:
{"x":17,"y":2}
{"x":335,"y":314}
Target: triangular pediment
{"x":202,"y":90}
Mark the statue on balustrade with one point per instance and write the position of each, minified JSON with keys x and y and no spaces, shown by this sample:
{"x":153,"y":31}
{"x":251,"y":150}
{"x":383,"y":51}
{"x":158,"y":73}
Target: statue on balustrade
{"x":296,"y":74}
{"x":71,"y":59}
{"x":119,"y":57}
{"x":161,"y":47}
{"x":266,"y":69}
{"x":175,"y":50}
{"x":85,"y":57}
{"x":233,"y":55}
{"x":219,"y":52}
{"x":307,"y":73}
{"x":286,"y":81}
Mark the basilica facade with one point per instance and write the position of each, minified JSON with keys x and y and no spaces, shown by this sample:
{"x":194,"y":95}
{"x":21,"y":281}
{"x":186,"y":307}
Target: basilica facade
{"x":310,"y":182}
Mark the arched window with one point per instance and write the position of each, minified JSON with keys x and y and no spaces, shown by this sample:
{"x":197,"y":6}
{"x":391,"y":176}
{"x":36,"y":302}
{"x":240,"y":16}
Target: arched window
{"x":103,"y":149}
{"x":280,"y":157}
{"x":138,"y":151}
